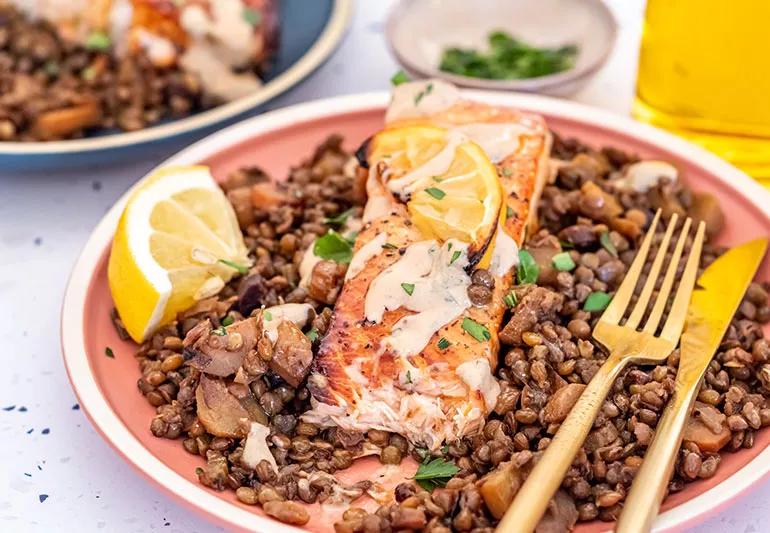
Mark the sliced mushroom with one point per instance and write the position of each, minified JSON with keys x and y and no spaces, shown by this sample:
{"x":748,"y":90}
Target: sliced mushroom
{"x":292,"y":354}
{"x":255,"y":449}
{"x":499,"y":487}
{"x":59,"y":123}
{"x":221,"y":355}
{"x":218,"y":410}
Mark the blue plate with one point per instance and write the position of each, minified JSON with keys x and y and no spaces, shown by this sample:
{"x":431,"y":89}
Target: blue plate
{"x":309,"y":33}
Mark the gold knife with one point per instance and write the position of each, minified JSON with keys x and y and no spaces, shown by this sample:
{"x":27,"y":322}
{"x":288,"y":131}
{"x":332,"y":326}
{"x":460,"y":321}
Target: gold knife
{"x":715,"y":300}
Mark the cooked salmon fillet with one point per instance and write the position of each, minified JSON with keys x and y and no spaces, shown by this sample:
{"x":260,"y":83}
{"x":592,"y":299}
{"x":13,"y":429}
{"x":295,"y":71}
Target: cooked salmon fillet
{"x":372,"y":371}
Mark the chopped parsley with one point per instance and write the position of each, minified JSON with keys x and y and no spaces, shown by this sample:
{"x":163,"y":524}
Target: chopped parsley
{"x":563,"y":262}
{"x":109,"y":353}
{"x":408,"y":376}
{"x":527,"y":271}
{"x":507,"y":171}
{"x":566,"y":245}
{"x":422,"y":94}
{"x":408,"y":288}
{"x":508,"y":212}
{"x":434,"y":473}
{"x":98,"y":40}
{"x":312,"y":335}
{"x":435,"y":192}
{"x":252,"y":16}
{"x":510,"y":299}
{"x":604,"y":238}
{"x":476,"y":330}
{"x":443,"y":344}
{"x":240,"y":268}
{"x":267,"y":315}
{"x":399,"y":77}
{"x":389,"y":246}
{"x":508,"y":58}
{"x":227,"y":321}
{"x":219,"y":332}
{"x":597,"y":301}
{"x":455,"y":256}
{"x":333,"y":247}
{"x":339,"y":219}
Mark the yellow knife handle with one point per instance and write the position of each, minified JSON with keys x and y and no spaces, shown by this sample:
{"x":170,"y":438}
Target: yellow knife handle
{"x":546,"y":477}
{"x":649,"y":486}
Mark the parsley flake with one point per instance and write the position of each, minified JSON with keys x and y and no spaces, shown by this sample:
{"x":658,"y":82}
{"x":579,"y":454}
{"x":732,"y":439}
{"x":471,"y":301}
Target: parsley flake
{"x":339,"y":219}
{"x":434,"y":473}
{"x":443,"y":344}
{"x":604,"y":238}
{"x":267,"y":315}
{"x":240,"y":268}
{"x":508,"y":212}
{"x":476,"y":330}
{"x":455,"y":256}
{"x":510,"y":299}
{"x":98,"y":40}
{"x":389,"y":246}
{"x":597,"y":301}
{"x":422,"y":94}
{"x":528,"y":270}
{"x":252,"y":16}
{"x":312,"y":335}
{"x":333,"y":247}
{"x":219,"y":332}
{"x":109,"y":353}
{"x":435,"y":192}
{"x":408,"y":288}
{"x":227,"y":320}
{"x":563,"y":262}
{"x":399,"y":77}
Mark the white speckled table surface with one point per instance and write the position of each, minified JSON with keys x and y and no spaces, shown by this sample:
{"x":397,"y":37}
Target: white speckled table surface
{"x":56,"y":473}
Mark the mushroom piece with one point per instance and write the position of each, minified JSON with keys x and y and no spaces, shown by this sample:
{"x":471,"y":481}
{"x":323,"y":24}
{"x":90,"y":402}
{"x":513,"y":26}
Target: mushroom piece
{"x":292,"y":354}
{"x":255,"y":449}
{"x":499,"y":487}
{"x":218,"y":410}
{"x":219,"y":354}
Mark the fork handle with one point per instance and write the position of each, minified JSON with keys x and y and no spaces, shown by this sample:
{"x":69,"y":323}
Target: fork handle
{"x":649,"y":486}
{"x":546,"y":477}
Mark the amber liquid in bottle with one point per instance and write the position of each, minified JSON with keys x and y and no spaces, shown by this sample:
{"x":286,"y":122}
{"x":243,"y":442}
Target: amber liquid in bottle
{"x":704,"y":73}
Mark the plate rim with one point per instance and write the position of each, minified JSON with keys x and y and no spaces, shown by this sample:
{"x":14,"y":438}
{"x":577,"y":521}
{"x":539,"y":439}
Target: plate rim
{"x":323,"y":47}
{"x":195,"y":496}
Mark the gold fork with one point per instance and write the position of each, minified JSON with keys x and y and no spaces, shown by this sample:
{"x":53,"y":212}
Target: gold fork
{"x":626,"y":345}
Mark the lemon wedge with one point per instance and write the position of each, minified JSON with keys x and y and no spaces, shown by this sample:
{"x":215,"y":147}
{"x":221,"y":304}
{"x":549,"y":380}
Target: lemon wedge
{"x":452,"y":189}
{"x":177,"y":242}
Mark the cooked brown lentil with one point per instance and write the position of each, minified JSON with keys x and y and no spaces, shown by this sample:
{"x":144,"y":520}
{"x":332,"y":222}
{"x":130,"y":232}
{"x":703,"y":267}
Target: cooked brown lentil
{"x":544,"y":365}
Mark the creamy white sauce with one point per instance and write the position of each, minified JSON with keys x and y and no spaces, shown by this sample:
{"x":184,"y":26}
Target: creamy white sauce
{"x":421,"y":98}
{"x":371,"y":249}
{"x":225,"y":26}
{"x":477,"y":375}
{"x":205,"y":60}
{"x":498,"y":140}
{"x":505,"y":254}
{"x":297,"y":313}
{"x":644,"y":175}
{"x":255,"y":448}
{"x":435,"y":166}
{"x":159,"y":50}
{"x":439,"y":295}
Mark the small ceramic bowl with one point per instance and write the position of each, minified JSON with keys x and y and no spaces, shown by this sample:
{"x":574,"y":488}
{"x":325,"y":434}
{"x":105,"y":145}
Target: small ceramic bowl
{"x":418,"y":31}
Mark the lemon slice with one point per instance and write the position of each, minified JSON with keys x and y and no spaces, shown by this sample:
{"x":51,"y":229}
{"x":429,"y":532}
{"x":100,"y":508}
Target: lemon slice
{"x":452,"y":187}
{"x":177,"y":242}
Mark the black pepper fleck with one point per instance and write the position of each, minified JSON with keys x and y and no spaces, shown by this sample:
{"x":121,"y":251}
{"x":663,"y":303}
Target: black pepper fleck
{"x":76,"y":407}
{"x":96,"y":185}
{"x":46,"y":431}
{"x":9,"y":408}
{"x":42,"y":497}
{"x":22,"y":409}
{"x":38,"y":241}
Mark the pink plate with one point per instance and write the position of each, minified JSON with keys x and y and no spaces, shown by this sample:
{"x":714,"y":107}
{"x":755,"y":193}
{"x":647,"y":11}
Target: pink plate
{"x":106,"y":386}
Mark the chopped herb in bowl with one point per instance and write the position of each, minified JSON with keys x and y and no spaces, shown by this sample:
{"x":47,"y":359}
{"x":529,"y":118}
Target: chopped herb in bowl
{"x":508,"y":58}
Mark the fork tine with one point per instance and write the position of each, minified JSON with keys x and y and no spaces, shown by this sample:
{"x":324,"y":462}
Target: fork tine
{"x":617,"y":306}
{"x":644,"y":297}
{"x":660,"y":304}
{"x":672,"y":329}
